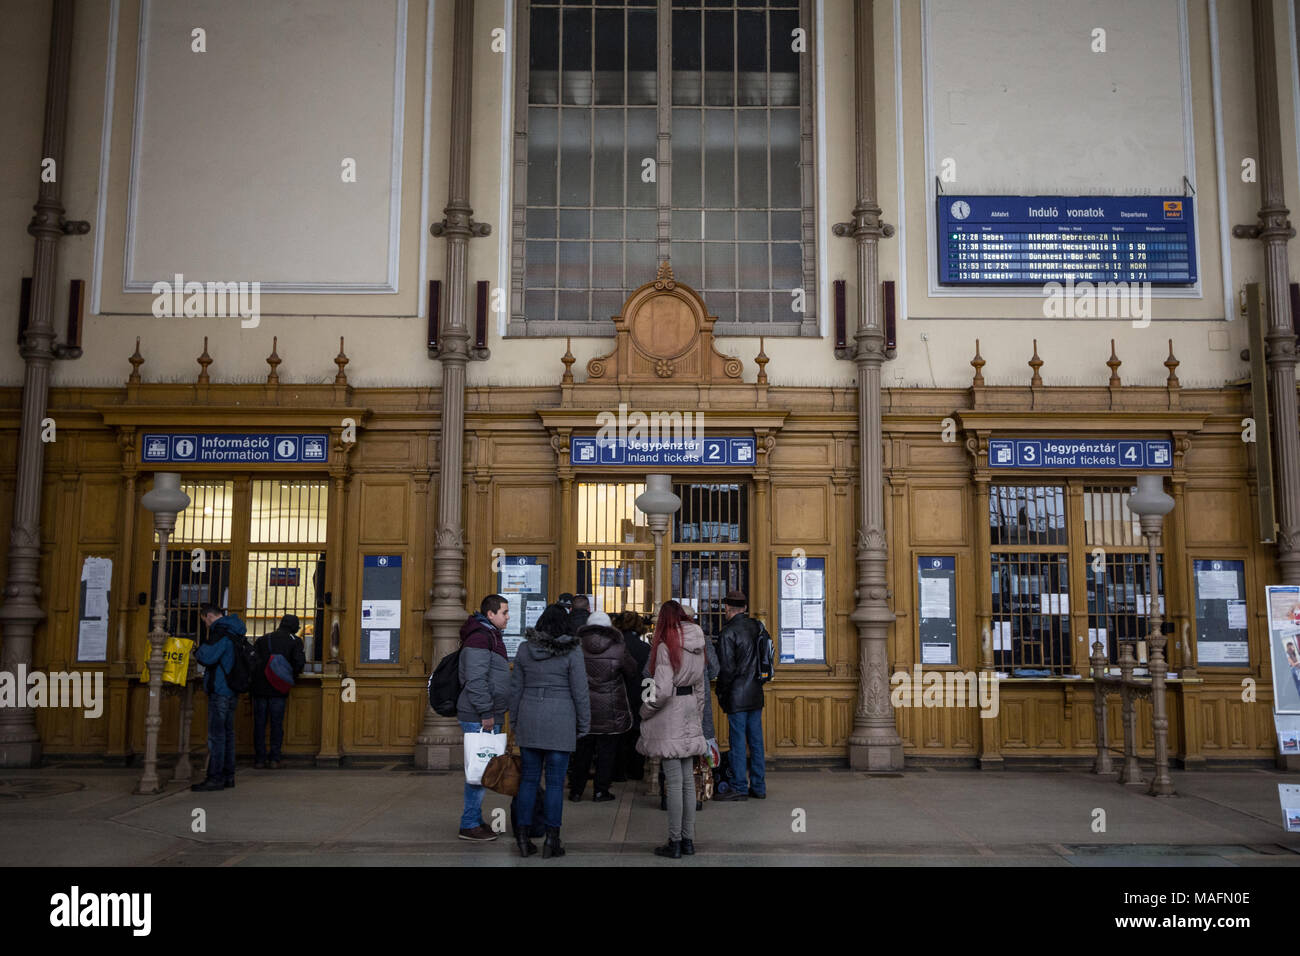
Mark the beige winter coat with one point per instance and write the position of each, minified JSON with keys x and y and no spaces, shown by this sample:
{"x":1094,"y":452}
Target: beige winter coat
{"x":671,"y":726}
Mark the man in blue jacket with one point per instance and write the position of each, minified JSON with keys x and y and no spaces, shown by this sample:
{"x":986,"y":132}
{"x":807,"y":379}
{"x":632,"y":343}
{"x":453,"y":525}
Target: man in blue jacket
{"x":217,"y":654}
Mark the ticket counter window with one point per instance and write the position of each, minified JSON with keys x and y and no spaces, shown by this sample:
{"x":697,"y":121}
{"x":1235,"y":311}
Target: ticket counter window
{"x":1030,"y":580}
{"x":198,"y":556}
{"x":1117,"y":572}
{"x":710,"y":548}
{"x":286,"y":558}
{"x":616,"y":560}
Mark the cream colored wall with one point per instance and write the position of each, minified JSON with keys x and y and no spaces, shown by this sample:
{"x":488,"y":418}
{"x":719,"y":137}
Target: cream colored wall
{"x":389,"y":350}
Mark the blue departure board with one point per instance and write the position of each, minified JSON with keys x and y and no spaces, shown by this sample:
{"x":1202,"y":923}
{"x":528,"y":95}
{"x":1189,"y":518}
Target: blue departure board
{"x":1032,"y":240}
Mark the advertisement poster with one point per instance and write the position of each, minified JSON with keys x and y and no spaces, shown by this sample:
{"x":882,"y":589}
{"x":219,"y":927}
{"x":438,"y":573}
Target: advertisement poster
{"x":1284,"y":646}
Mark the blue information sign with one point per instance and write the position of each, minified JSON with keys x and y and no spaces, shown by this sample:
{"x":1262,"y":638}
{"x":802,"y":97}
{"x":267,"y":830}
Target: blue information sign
{"x":235,"y":449}
{"x":1031,"y":240}
{"x":640,"y":453}
{"x":1079,"y":453}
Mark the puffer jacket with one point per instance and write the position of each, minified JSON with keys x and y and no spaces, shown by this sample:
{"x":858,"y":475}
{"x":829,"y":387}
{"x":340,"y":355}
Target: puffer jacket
{"x":484,"y":672}
{"x":550,"y":706}
{"x":608,"y":665}
{"x":738,"y":686}
{"x":672,"y":724}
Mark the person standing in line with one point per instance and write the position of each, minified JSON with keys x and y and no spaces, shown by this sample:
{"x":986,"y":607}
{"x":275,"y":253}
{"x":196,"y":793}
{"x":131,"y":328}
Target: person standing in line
{"x":270,"y":698}
{"x":217,"y":655}
{"x":578,"y":616}
{"x":741,"y":696}
{"x":672,"y":720}
{"x":628,"y":764}
{"x":608,"y":666}
{"x":485,"y":686}
{"x":550,"y":707}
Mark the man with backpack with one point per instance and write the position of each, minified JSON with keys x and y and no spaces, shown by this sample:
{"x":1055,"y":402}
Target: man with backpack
{"x":227,"y":669}
{"x":484,"y":670}
{"x":280,"y":660}
{"x":745,"y":664}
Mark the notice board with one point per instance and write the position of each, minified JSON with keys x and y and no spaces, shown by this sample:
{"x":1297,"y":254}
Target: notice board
{"x":522,"y":579}
{"x":801,"y":615}
{"x":381,"y":608}
{"x":936,"y":608}
{"x":1221,"y":635}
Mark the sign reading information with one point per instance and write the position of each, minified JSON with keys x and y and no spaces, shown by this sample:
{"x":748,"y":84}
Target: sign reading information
{"x":684,"y":451}
{"x":1079,"y":453}
{"x":1030,"y":240}
{"x":237,"y":449}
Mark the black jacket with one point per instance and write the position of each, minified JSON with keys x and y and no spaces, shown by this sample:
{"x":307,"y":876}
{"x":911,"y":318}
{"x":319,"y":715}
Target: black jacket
{"x":277,"y":642}
{"x":577,"y":621}
{"x":639,"y":651}
{"x":738,"y":686}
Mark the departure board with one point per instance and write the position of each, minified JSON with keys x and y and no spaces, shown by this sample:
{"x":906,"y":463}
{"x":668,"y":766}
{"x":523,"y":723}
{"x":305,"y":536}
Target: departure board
{"x":1031,"y":240}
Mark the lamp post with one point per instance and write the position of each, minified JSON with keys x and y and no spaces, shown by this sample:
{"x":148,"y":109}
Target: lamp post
{"x":165,"y":500}
{"x":657,"y":502}
{"x":1151,"y":504}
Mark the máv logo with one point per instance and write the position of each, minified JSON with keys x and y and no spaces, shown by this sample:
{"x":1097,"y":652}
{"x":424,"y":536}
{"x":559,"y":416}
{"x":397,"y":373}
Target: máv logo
{"x":102,"y":909}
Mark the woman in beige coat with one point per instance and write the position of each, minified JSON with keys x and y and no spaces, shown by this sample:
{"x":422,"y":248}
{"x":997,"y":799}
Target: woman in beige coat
{"x":672,"y":720}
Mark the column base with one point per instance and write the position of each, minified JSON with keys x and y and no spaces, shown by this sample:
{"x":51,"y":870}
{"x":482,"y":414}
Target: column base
{"x":876,"y":757}
{"x":992,"y":763}
{"x":20,"y":754}
{"x":439,"y":756}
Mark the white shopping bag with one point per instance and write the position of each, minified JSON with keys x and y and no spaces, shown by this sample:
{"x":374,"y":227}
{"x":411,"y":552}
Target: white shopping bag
{"x":479,"y":749}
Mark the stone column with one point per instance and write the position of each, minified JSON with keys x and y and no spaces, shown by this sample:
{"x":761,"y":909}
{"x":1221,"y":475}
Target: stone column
{"x":874,"y":743}
{"x":1273,"y":230}
{"x":439,"y":743}
{"x":20,"y":743}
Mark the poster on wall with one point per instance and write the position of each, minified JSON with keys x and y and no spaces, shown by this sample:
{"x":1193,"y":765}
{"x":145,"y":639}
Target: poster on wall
{"x":1289,"y":796}
{"x":522,"y":581}
{"x":92,"y":620}
{"x":381,"y":608}
{"x":1284,"y":646}
{"x":936,"y":602}
{"x":801,"y":610}
{"x":1221,"y":639}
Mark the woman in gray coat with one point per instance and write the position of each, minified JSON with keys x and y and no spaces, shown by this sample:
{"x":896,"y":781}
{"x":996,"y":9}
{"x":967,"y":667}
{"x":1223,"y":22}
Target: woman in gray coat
{"x":550,"y":708}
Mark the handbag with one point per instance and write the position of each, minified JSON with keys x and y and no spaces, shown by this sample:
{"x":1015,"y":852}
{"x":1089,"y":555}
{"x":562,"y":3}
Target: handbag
{"x":479,"y":749}
{"x":703,"y":779}
{"x":503,"y":773}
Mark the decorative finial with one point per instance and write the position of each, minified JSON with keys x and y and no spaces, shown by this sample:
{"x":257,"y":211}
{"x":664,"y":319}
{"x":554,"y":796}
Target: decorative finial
{"x":1036,"y":363}
{"x":341,"y":360}
{"x":204,"y":361}
{"x":978,"y":363}
{"x":1113,"y":363}
{"x":136,"y":361}
{"x":274,"y":361}
{"x":1171,"y":363}
{"x":665,"y":270}
{"x":761,"y":361}
{"x":568,"y":360}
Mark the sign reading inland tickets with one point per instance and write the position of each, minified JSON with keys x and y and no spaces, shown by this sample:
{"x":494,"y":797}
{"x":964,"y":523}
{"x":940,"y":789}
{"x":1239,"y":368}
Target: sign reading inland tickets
{"x":683,"y":451}
{"x":237,"y":449}
{"x":1032,"y":240}
{"x":1079,"y":453}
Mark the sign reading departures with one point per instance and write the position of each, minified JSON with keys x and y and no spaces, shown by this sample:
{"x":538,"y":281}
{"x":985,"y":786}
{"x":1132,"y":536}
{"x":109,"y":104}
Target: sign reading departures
{"x":1031,"y":240}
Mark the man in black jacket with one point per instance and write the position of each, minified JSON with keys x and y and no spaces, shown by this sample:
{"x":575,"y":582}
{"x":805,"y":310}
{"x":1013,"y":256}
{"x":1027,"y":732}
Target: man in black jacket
{"x":741,"y":696}
{"x":578,"y":616}
{"x":268,"y":699}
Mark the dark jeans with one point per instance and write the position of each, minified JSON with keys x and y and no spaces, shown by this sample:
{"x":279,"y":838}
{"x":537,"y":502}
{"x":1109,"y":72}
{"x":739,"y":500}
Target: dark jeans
{"x":745,"y":729}
{"x":262,"y":706}
{"x":556,"y":762}
{"x":221,"y":736}
{"x":603,"y":747}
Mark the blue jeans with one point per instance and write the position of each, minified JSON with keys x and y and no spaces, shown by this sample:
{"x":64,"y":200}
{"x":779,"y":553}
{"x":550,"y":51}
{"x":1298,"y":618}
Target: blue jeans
{"x":556,"y":763}
{"x":745,"y":730}
{"x":262,"y":706}
{"x":221,"y":736}
{"x":472,"y":816}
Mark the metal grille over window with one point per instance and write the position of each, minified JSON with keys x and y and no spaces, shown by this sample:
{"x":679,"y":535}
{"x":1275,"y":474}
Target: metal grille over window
{"x":198,"y":557}
{"x":1117,"y":573}
{"x":710,"y":548}
{"x":1030,"y":580}
{"x":290,"y":577}
{"x":616,"y":561}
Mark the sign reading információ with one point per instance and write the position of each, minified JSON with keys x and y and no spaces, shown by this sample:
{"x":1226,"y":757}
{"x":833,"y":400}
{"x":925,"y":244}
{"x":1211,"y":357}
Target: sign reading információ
{"x":242,"y":448}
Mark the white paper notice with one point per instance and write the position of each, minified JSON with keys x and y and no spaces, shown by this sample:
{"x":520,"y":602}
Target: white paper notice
{"x":379,"y":644}
{"x":92,"y":641}
{"x":381,"y":614}
{"x":791,"y":613}
{"x":1065,"y":603}
{"x":812,"y":585}
{"x":533,"y":612}
{"x":936,"y":654}
{"x":1050,"y":603}
{"x":1096,"y":634}
{"x":1217,"y":585}
{"x":1223,"y":652}
{"x":97,"y":604}
{"x":97,"y":573}
{"x":1144,"y":604}
{"x":805,"y":644}
{"x":1236,"y":615}
{"x":812,"y":614}
{"x":791,"y":583}
{"x":934,"y":598}
{"x":1002,"y":635}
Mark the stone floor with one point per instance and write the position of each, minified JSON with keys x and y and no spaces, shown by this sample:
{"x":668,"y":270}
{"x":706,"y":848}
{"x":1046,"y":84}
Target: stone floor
{"x":397,"y":817}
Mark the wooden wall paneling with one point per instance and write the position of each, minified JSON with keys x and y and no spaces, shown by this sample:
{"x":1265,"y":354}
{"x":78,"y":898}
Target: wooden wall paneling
{"x":800,"y":514}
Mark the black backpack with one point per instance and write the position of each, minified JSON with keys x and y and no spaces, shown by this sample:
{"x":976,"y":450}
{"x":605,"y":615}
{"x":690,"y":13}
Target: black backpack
{"x":444,"y":685}
{"x":240,"y":676}
{"x":766,"y":655}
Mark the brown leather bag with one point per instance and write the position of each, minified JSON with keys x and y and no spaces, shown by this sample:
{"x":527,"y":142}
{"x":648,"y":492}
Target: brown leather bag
{"x":502,"y":774}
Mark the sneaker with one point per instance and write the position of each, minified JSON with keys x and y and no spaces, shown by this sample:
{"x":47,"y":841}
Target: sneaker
{"x":480,"y":834}
{"x":758,"y":796}
{"x":209,"y":785}
{"x":732,"y":796}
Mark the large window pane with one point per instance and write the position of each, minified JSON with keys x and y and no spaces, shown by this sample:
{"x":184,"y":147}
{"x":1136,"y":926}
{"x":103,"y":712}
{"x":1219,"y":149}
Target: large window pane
{"x":543,"y":55}
{"x":751,"y":158}
{"x":642,"y":66}
{"x":575,"y":265}
{"x":641,"y":133}
{"x":719,"y":265}
{"x":609,"y":56}
{"x":608,"y":164}
{"x":751,"y":58}
{"x":719,"y":159}
{"x":687,"y":58}
{"x":575,"y":158}
{"x":785,"y":159}
{"x":543,"y":152}
{"x":686,"y":159}
{"x":539,"y":264}
{"x":575,"y":78}
{"x":719,"y":59}
{"x":687,"y":265}
{"x":783,"y":81}
{"x":607,"y":265}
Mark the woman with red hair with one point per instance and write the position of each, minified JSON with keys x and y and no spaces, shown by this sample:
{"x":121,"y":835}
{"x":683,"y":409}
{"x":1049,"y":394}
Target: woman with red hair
{"x":672,"y":720}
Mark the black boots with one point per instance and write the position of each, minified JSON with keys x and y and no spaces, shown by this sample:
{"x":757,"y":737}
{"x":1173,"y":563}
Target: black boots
{"x":552,"y":846}
{"x":688,"y":847}
{"x":526,"y":848}
{"x":672,"y":849}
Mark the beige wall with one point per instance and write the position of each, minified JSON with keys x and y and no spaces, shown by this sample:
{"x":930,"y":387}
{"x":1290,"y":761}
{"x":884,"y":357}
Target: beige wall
{"x":385,"y":336}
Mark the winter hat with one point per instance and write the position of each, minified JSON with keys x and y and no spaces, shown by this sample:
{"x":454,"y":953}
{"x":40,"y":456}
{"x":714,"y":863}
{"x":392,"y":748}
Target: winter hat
{"x":600,"y":618}
{"x":290,"y":623}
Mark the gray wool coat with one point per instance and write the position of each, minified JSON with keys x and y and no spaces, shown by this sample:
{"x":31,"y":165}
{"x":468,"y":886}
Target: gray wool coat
{"x":550,"y":706}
